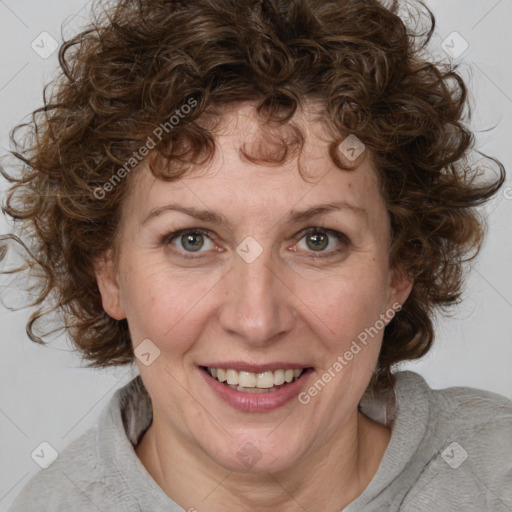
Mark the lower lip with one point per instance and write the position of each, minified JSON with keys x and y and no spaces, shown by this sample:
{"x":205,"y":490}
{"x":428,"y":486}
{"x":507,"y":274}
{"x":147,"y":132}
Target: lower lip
{"x":256,"y":402}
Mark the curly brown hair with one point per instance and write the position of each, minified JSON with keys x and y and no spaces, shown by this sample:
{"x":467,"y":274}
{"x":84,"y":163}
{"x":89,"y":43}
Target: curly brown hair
{"x":140,"y":61}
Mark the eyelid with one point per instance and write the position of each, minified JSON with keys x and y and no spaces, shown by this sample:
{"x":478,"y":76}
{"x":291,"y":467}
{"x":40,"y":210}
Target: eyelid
{"x":321,"y":229}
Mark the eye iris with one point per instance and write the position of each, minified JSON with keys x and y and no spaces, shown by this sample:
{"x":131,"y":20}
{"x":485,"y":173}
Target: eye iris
{"x":192,"y":242}
{"x":319,"y":241}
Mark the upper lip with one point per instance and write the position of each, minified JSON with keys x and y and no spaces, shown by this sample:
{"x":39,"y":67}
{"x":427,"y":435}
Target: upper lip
{"x":256,"y":368}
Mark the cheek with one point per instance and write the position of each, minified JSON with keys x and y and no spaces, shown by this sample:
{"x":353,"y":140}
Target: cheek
{"x":350,"y":303}
{"x":163,"y":306}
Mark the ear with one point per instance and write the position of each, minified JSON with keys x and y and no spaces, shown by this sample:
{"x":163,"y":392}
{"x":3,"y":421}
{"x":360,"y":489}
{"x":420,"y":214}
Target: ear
{"x":400,"y":286}
{"x":107,"y":280}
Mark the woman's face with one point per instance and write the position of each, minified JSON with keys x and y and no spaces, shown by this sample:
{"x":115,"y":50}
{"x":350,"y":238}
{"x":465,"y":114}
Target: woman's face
{"x":249,"y":289}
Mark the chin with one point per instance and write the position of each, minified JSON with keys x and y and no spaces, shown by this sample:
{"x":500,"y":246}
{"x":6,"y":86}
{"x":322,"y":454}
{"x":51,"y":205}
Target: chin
{"x":257,"y":453}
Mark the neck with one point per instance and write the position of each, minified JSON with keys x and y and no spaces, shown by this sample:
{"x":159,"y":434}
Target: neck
{"x":327,"y":478}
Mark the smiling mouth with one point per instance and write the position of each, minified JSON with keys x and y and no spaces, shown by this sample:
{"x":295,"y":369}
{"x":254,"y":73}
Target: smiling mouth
{"x":249,"y":382}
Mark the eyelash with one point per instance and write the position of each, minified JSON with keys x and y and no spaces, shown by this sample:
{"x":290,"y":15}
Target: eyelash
{"x":167,"y":239}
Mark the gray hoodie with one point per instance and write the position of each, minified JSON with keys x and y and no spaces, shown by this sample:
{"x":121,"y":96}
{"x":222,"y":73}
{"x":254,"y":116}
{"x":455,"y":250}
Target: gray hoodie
{"x":450,"y":450}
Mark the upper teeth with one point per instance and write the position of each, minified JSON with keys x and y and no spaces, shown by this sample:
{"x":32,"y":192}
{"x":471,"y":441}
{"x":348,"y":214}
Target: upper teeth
{"x":262,"y":380}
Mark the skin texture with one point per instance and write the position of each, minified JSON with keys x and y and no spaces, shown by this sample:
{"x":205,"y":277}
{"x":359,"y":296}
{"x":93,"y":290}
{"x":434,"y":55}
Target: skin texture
{"x":287,"y":305}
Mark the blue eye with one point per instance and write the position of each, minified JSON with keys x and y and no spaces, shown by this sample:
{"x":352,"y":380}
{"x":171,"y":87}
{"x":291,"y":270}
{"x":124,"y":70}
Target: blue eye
{"x":319,"y":239}
{"x":190,"y":240}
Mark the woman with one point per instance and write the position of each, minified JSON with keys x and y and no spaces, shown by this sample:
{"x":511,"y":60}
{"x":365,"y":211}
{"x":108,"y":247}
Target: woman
{"x":261,"y":204}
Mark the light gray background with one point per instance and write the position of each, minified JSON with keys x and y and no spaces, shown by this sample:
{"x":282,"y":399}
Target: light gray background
{"x":45,"y":394}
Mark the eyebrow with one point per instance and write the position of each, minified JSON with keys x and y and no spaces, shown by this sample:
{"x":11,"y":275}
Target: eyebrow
{"x":293,"y":217}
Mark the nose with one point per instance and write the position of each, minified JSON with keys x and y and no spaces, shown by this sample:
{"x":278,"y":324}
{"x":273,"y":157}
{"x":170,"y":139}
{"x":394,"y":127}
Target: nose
{"x":259,"y":303}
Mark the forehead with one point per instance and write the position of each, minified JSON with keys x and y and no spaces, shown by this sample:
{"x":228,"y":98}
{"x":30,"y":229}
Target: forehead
{"x":233,"y":181}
